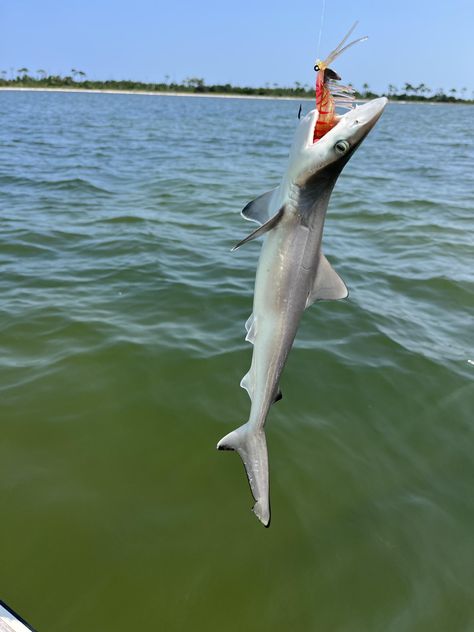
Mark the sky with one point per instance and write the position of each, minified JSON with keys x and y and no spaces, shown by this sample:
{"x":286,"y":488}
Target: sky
{"x":242,"y":42}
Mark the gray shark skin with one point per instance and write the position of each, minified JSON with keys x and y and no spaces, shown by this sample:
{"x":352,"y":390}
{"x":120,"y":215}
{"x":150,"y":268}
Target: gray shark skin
{"x":292,"y":273}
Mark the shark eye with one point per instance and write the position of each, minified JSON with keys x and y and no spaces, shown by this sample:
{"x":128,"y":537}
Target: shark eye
{"x":341,"y":146}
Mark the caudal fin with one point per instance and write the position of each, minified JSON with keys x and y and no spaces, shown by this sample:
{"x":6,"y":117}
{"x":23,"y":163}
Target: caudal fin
{"x":252,"y":447}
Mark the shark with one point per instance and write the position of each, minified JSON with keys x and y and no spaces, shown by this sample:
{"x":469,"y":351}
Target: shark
{"x":292,"y":273}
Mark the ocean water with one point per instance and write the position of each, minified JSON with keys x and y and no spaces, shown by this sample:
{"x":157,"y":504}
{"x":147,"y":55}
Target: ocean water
{"x":122,"y":346}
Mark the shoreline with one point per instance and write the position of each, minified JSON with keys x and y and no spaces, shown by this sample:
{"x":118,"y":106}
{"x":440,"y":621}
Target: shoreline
{"x":206,"y":95}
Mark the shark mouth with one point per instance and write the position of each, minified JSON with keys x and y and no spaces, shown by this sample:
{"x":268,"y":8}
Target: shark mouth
{"x":364,"y":116}
{"x":330,"y":96}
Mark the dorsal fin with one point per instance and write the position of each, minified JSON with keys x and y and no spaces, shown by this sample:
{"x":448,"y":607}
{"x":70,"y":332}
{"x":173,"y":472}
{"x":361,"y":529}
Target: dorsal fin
{"x":271,"y":223}
{"x":328,"y":285}
{"x":259,"y":210}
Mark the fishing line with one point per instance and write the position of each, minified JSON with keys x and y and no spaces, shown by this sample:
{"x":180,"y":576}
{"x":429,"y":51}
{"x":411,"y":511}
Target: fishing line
{"x":323,"y":10}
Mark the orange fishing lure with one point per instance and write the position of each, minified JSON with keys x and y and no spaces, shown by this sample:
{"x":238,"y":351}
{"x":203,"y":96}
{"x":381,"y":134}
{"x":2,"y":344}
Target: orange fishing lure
{"x":330,"y":94}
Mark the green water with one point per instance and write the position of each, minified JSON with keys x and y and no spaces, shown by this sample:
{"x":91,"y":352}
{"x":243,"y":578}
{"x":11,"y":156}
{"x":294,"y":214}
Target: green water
{"x":122,"y":346}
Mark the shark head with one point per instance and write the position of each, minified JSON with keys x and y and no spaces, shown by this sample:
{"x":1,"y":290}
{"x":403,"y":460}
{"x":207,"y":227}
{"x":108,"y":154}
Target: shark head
{"x":334,"y":148}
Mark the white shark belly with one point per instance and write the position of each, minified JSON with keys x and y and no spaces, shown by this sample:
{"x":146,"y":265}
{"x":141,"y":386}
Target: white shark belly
{"x":281,"y":289}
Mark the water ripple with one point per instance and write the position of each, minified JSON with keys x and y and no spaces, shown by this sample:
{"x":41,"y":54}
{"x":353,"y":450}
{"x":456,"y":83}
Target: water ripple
{"x":122,"y":346}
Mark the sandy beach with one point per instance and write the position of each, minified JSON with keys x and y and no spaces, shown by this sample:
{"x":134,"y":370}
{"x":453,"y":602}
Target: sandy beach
{"x":156,"y":94}
{"x":206,"y":95}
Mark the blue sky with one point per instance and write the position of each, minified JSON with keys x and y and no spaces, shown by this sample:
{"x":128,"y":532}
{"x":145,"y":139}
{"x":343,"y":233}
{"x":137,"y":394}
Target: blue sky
{"x":242,"y":42}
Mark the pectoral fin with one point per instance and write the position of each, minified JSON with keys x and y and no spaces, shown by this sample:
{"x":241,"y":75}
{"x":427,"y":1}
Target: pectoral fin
{"x":271,"y":223}
{"x":259,"y":210}
{"x":328,"y":285}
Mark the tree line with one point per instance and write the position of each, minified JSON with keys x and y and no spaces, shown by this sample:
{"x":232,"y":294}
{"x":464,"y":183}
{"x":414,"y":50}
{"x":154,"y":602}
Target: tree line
{"x":25,"y":78}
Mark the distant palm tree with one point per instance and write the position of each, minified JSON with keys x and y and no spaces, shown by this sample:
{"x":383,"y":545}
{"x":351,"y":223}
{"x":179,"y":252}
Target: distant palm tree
{"x":77,"y":73}
{"x":391,"y":89}
{"x":41,"y":73}
{"x":23,"y":71}
{"x":194,"y":82}
{"x":423,"y":89}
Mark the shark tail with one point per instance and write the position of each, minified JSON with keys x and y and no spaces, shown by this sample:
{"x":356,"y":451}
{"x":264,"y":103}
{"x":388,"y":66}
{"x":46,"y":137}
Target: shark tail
{"x":251,"y":445}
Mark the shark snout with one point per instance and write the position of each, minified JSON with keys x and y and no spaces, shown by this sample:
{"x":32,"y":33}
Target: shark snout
{"x":368,"y":113}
